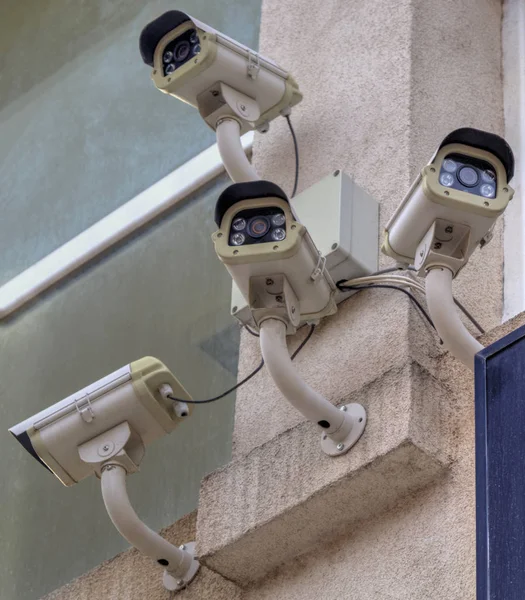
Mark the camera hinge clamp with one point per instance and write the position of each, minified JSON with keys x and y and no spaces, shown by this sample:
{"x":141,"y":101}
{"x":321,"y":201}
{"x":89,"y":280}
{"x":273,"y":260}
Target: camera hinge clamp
{"x":272,"y":297}
{"x":319,"y":268}
{"x":253,"y":65}
{"x":84,"y":408}
{"x":445,"y":245}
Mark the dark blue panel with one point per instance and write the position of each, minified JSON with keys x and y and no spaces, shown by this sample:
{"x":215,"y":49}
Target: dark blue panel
{"x":500,"y":469}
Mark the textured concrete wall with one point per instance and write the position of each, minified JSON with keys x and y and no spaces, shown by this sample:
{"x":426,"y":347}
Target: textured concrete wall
{"x":401,"y":76}
{"x":131,"y":576}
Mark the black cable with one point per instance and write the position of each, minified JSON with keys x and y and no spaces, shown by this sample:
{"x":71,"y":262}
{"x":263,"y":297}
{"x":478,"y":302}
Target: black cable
{"x":347,"y":288}
{"x":296,"y":150}
{"x":246,"y":379}
{"x":304,"y":342}
{"x":251,"y":331}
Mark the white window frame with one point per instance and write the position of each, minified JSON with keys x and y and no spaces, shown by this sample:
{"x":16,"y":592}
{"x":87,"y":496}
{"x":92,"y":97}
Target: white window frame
{"x":513,"y":36}
{"x":113,"y":228}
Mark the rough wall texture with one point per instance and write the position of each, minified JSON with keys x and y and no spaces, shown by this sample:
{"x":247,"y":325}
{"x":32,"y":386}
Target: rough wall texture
{"x":131,"y":576}
{"x":401,"y":76}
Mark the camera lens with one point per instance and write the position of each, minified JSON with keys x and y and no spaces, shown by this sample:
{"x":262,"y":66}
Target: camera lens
{"x":488,"y":176}
{"x":239,"y":224}
{"x":168,"y":56}
{"x":278,"y":234}
{"x":258,"y":227}
{"x":194,"y":39}
{"x":170,"y":68}
{"x":278,"y":220}
{"x":487,"y":190}
{"x":449,"y":165}
{"x":196,"y":49}
{"x":181,"y":51}
{"x":238,"y":239}
{"x":468,"y":176}
{"x":446,"y":179}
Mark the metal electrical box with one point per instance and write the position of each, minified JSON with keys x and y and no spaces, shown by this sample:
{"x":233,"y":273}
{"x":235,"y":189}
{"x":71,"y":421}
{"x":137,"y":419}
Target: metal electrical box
{"x":343,"y":221}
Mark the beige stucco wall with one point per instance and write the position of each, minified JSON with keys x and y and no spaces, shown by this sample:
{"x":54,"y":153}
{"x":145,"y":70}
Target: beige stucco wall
{"x":394,"y":519}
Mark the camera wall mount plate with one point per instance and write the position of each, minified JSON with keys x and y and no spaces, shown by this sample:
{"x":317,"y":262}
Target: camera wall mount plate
{"x":334,"y":448}
{"x":176,"y":584}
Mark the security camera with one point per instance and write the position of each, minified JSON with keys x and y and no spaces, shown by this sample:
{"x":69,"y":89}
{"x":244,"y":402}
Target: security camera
{"x":284,"y":280}
{"x":130,"y":395}
{"x":452,"y":206}
{"x":103,"y":429}
{"x":210,"y":71}
{"x":449,"y":211}
{"x":271,"y":256}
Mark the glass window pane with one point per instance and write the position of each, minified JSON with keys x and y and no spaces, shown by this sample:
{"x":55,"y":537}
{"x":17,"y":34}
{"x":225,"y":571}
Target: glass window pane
{"x":82,"y":131}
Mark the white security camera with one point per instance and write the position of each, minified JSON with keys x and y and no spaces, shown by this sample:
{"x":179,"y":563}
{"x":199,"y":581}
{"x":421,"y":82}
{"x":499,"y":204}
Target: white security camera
{"x":103,"y":429}
{"x":285,"y":282}
{"x":452,"y":206}
{"x":271,"y":256}
{"x":449,"y":211}
{"x":221,"y":77}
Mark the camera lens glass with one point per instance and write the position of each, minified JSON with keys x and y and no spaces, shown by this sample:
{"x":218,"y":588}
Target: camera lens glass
{"x":168,"y":56}
{"x":237,"y":239}
{"x":278,"y":220}
{"x":258,"y":227}
{"x":239,"y":224}
{"x":170,"y":68}
{"x":488,"y":176}
{"x":468,"y":176}
{"x":181,"y":51}
{"x":278,"y":234}
{"x":450,"y":165}
{"x":487,"y":190}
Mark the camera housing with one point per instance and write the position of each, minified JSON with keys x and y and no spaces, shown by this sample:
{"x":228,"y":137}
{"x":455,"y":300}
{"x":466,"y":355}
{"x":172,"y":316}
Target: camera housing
{"x":214,"y":73}
{"x":126,"y":406}
{"x":271,"y":256}
{"x":452,"y":206}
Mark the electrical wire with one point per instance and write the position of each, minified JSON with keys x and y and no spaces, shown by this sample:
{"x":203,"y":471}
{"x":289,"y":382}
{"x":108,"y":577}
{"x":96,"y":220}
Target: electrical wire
{"x":420,"y":287}
{"x":246,"y":379}
{"x":347,"y":288}
{"x":296,"y":150}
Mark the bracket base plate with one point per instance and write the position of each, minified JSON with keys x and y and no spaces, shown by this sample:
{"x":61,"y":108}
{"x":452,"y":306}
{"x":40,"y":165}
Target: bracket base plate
{"x":176,"y":584}
{"x":333,"y":448}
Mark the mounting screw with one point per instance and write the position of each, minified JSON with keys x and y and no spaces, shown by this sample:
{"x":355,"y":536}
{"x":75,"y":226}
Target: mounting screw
{"x":293,"y":310}
{"x":324,"y":436}
{"x":449,"y":229}
{"x":214,"y":93}
{"x":421,"y":253}
{"x":279,"y":298}
{"x":269,"y":282}
{"x":182,"y":547}
{"x":343,"y":408}
{"x":242,"y":107}
{"x":437,"y":245}
{"x":340,"y":446}
{"x":105,"y":447}
{"x":180,"y":583}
